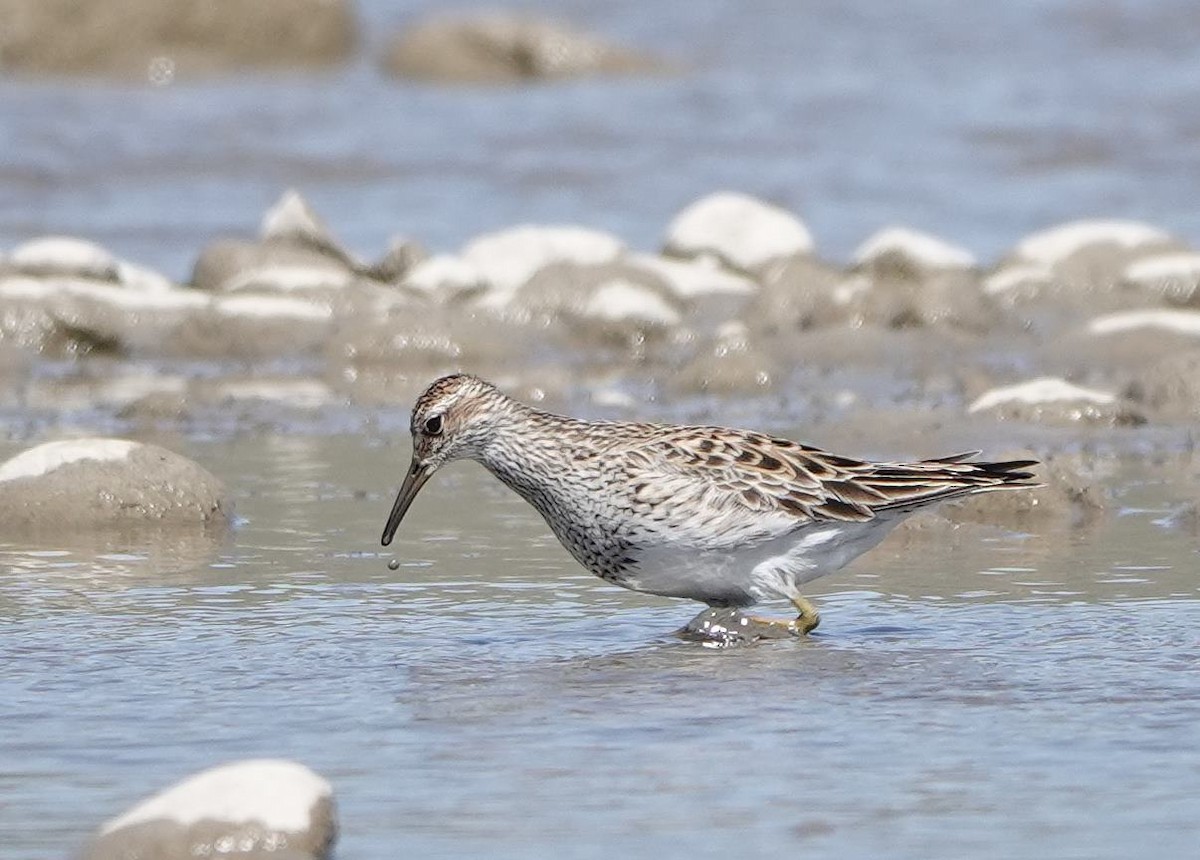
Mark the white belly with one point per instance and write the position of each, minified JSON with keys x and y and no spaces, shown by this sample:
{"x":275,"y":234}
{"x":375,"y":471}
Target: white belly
{"x":773,"y":569}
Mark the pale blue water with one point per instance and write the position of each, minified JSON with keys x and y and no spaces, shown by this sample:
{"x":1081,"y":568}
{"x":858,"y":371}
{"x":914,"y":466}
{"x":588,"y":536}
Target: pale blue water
{"x":985,"y":695}
{"x":978,"y":122}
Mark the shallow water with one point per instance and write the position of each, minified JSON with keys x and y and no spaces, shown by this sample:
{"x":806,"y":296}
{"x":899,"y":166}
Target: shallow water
{"x":969,"y":693}
{"x":980,"y":123}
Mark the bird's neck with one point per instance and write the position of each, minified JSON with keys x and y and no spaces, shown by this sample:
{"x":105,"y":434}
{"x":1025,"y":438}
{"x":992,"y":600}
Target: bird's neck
{"x":528,"y":451}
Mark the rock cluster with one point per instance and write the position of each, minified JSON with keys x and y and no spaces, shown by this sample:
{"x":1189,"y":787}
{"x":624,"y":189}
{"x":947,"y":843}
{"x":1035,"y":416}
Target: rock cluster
{"x":1082,"y":321}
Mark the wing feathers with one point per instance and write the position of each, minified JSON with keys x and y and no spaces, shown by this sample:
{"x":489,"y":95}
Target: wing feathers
{"x":760,"y":474}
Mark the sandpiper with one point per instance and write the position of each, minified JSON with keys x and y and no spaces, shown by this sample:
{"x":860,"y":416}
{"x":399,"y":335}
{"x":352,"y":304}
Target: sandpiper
{"x":726,"y":517}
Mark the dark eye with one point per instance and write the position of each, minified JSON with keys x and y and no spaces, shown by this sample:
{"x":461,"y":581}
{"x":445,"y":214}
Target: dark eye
{"x":433,"y":425}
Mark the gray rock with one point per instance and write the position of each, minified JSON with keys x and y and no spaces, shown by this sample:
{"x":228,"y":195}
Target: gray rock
{"x":1173,"y":277}
{"x":446,"y":278}
{"x":164,"y":39}
{"x":1170,"y":388}
{"x":616,"y":302}
{"x":1055,"y":401}
{"x":920,"y":299}
{"x":796,"y":294}
{"x":901,"y":252}
{"x":502,"y":48}
{"x":108,"y":318}
{"x":1080,"y":266}
{"x":293,"y":222}
{"x":403,"y":255}
{"x":254,"y":325}
{"x":1066,"y":497}
{"x":730,"y":364}
{"x":98,"y":483}
{"x":225,"y":261}
{"x":805,"y":293}
{"x":406,"y":340}
{"x":264,"y":809}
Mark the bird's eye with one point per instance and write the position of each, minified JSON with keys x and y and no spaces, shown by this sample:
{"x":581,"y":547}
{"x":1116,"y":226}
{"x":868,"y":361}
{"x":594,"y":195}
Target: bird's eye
{"x":433,"y":425}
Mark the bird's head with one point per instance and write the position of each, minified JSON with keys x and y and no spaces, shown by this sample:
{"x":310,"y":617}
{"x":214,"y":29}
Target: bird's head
{"x":452,"y":420}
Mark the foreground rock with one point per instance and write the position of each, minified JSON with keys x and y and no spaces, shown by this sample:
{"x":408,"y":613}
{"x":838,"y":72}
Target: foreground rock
{"x":98,"y":483}
{"x":162,"y":39}
{"x":257,"y":809}
{"x":503,"y":49}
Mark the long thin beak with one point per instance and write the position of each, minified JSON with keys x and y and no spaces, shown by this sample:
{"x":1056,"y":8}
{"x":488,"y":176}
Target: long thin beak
{"x":413,"y":482}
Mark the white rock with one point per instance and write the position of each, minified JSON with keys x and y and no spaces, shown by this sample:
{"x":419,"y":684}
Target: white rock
{"x":135,"y":277}
{"x":1183,"y":265}
{"x":1057,"y":243}
{"x":64,"y":255}
{"x":509,"y":258}
{"x":622,"y":300}
{"x":1047,"y":389}
{"x":278,"y":793}
{"x":1019,"y":275}
{"x":445,"y":273}
{"x":613,"y":398}
{"x":300,"y":393}
{"x":288,"y":279}
{"x":23,"y":287}
{"x":275,"y":307}
{"x":851,"y":288}
{"x":134,"y":300}
{"x":691,"y":278}
{"x":740,"y":231}
{"x":921,"y":249}
{"x":1178,"y":322}
{"x":49,"y":456}
{"x":290,"y":217}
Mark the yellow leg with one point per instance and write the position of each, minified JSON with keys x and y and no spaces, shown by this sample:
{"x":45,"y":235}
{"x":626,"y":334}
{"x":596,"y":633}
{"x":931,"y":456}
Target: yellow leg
{"x":809,"y":618}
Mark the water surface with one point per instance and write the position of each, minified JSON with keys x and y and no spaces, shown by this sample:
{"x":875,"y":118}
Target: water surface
{"x":971,"y":692}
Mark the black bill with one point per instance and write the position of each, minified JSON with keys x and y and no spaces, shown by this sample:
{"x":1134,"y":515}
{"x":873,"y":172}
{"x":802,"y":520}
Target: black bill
{"x":413,"y":481}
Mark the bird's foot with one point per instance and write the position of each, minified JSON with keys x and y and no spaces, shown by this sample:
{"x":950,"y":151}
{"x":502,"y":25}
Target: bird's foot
{"x":723,"y":627}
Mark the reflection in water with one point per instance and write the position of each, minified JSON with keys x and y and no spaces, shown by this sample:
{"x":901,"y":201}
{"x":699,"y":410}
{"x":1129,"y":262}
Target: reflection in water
{"x":74,"y":571}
